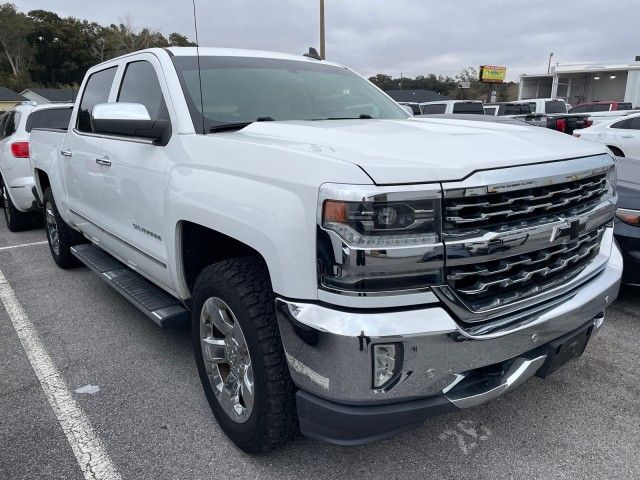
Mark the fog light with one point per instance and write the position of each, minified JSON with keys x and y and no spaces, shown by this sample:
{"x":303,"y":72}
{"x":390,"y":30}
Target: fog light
{"x":386,"y":359}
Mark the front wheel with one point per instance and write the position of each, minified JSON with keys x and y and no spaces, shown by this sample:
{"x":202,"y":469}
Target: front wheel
{"x":239,"y":354}
{"x":61,"y":237}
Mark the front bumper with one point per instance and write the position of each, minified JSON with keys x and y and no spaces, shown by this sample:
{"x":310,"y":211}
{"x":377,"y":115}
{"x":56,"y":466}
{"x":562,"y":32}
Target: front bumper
{"x":330,"y":353}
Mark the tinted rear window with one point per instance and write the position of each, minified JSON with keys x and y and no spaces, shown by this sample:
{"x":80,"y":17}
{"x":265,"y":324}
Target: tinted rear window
{"x":468,"y":108}
{"x":57,"y":118}
{"x":433,"y":109}
{"x":555,"y":106}
{"x":600,"y":107}
{"x":625,"y":106}
{"x":517,"y":109}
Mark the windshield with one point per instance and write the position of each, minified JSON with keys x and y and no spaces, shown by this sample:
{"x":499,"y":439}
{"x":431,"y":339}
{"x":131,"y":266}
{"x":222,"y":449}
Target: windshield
{"x":237,"y":90}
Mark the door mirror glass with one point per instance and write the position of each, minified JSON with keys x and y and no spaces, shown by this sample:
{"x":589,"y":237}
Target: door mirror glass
{"x":129,"y":120}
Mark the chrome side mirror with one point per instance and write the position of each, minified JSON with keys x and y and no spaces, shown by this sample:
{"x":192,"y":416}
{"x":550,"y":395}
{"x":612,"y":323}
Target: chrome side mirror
{"x":129,"y":120}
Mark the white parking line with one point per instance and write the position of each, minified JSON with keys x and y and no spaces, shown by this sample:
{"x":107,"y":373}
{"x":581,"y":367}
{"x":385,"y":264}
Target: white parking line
{"x":86,"y":446}
{"x":23,"y":245}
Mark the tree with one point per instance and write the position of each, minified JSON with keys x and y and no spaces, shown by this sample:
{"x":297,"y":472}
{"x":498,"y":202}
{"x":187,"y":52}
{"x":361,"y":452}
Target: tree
{"x":14,"y":30}
{"x":179,"y":40}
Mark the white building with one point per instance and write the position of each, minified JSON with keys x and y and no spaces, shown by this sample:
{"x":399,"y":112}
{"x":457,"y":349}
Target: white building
{"x":585,"y":82}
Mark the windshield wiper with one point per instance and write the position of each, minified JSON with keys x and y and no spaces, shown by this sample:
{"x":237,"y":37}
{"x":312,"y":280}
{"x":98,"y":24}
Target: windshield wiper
{"x":228,"y":127}
{"x":362,"y":116}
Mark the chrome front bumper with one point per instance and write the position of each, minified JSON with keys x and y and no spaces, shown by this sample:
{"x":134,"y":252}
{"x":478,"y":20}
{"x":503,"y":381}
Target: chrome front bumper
{"x":330,"y":351}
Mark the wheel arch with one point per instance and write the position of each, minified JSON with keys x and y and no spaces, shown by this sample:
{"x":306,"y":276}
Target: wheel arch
{"x":199,"y":246}
{"x":617,"y":151}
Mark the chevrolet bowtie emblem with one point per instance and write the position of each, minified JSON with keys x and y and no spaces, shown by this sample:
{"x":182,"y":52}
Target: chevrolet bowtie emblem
{"x":571,"y":228}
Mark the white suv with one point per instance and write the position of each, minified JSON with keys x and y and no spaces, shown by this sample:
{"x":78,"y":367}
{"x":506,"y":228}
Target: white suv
{"x":16,"y":176}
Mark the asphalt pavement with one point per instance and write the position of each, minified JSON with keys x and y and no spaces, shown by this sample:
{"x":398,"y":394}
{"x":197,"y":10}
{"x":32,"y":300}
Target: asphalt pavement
{"x":153,"y":421}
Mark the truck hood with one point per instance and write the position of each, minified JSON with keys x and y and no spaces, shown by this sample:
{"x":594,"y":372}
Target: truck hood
{"x":422,"y":150}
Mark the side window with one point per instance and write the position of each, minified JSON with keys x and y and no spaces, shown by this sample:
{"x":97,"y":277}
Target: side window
{"x":11,"y":124}
{"x":140,"y":85}
{"x":3,"y":121}
{"x":635,"y":123}
{"x":623,"y":124}
{"x":580,"y":109}
{"x":96,"y":91}
{"x":532,"y":105}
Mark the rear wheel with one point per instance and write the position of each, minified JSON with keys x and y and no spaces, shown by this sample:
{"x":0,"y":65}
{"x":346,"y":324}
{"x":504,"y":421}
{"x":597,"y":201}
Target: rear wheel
{"x":60,"y":236}
{"x":16,"y":220}
{"x":239,"y":355}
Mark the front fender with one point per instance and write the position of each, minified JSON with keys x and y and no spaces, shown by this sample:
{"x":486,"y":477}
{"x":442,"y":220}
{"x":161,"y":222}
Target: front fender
{"x":269,"y":204}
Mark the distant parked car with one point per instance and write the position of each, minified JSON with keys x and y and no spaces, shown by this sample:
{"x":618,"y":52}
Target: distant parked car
{"x":621,"y":135}
{"x":627,"y":222}
{"x":452,"y":106}
{"x":601,"y":106}
{"x":558,"y":117}
{"x":16,"y":177}
{"x":518,"y":111}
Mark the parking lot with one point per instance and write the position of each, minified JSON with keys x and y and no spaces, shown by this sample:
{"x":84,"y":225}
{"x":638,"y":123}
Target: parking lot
{"x":153,"y":421}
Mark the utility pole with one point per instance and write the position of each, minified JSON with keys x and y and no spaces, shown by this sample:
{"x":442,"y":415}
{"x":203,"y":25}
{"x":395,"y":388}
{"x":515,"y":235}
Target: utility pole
{"x":322,"y":51}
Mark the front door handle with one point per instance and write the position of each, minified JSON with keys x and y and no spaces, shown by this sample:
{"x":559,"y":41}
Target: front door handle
{"x":65,"y":153}
{"x":104,"y":161}
{"x":626,"y":136}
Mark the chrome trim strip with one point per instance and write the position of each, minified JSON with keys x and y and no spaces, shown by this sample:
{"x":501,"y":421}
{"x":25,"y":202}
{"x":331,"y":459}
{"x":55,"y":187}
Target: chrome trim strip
{"x":145,"y":141}
{"x":483,"y":245}
{"x":466,"y":393}
{"x":526,"y":306}
{"x":153,"y":259}
{"x":528,"y":176}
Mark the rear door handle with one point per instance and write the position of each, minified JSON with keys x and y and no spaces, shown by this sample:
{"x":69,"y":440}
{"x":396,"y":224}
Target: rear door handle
{"x":627,"y":136}
{"x":104,"y":161}
{"x":66,"y":153}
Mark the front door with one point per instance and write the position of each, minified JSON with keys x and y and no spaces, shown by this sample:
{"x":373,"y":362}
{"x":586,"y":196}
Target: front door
{"x":132,"y":185}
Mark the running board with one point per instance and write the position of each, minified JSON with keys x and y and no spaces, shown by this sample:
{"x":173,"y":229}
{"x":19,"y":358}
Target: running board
{"x":154,"y":302}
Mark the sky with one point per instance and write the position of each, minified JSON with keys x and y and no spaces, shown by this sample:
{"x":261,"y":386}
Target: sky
{"x":408,"y":37}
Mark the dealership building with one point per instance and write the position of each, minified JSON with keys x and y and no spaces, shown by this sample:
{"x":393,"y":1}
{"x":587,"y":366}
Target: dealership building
{"x":585,"y":82}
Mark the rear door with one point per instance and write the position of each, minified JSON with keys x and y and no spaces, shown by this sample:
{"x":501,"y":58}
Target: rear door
{"x":132,"y":187}
{"x":80,"y":150}
{"x":629,"y":137}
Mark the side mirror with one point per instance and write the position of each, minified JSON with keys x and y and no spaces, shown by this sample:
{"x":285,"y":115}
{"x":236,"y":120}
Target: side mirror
{"x":130,"y":120}
{"x":408,"y":109}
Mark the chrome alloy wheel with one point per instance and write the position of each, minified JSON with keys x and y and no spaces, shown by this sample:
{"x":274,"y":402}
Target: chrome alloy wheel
{"x":52,"y":229}
{"x":5,"y":203}
{"x":227,"y":360}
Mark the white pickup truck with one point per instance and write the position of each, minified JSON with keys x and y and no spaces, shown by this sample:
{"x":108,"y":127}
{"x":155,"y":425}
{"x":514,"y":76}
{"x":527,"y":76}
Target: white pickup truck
{"x":348,"y":270}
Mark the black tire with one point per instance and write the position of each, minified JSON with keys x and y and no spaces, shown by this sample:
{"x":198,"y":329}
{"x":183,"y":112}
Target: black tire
{"x":16,"y":220}
{"x":244,"y":285}
{"x":67,"y":237}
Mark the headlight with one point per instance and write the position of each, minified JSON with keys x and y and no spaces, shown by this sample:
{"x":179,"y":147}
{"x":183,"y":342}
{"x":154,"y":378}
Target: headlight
{"x":379,"y":239}
{"x":630,"y":217}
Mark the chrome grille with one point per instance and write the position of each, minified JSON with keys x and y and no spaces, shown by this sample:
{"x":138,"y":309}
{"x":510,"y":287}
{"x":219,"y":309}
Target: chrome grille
{"x":499,"y":208}
{"x":486,"y":285}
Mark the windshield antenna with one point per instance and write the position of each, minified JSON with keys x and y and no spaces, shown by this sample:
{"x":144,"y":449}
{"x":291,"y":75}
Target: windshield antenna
{"x":195,"y":25}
